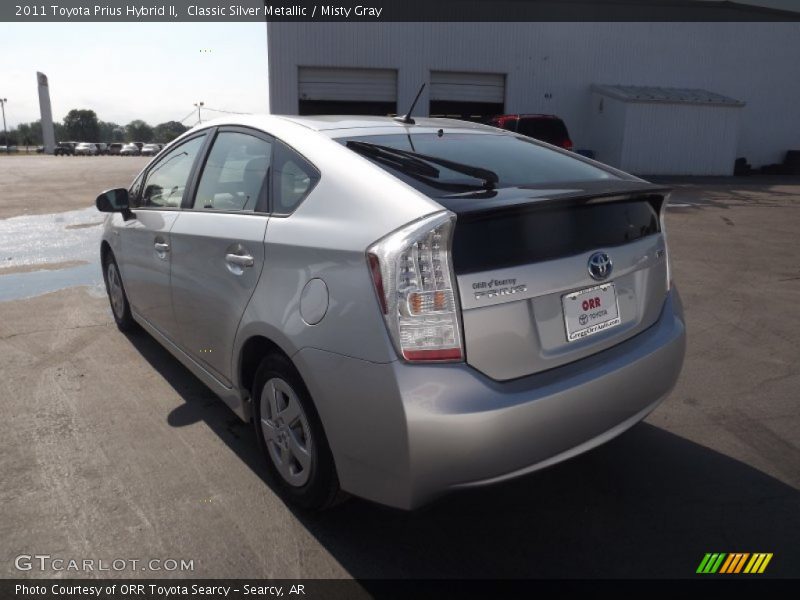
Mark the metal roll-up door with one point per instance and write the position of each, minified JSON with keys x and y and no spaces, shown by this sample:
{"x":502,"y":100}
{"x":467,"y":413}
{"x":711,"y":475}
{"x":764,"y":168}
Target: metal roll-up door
{"x":468,"y":87}
{"x":327,"y":90}
{"x":469,"y":96}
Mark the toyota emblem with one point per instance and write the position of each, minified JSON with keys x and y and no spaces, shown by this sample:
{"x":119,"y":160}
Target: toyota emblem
{"x":600,"y":266}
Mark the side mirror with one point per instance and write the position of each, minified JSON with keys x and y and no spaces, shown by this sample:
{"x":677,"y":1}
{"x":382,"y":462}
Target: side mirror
{"x":115,"y":201}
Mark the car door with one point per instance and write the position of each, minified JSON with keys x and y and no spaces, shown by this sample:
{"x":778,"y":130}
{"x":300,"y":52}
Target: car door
{"x":146,"y":254}
{"x":218,"y":246}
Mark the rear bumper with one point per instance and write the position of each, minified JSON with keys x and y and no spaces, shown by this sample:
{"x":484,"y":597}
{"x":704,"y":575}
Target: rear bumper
{"x":404,"y":434}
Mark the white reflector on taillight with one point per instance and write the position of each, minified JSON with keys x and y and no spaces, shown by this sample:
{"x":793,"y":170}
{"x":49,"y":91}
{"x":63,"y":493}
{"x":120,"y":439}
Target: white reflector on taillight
{"x":413,"y":277}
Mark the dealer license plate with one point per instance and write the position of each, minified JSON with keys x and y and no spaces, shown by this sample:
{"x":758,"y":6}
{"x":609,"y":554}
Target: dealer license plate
{"x":590,"y":311}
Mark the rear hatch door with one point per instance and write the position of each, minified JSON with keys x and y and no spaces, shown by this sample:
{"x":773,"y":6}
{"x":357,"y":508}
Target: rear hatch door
{"x":530,"y":299}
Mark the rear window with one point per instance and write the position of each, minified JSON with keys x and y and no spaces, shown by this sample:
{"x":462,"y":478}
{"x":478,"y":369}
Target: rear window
{"x":516,"y":161}
{"x":552,"y":131}
{"x":533,"y":234}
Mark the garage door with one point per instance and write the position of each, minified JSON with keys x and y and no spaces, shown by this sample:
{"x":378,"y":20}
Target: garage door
{"x":468,"y":87}
{"x":347,"y":91}
{"x":470,"y":96}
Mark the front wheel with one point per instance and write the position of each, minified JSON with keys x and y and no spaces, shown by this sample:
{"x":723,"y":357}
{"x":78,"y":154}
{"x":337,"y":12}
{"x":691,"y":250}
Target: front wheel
{"x":117,"y":297}
{"x":300,"y":465}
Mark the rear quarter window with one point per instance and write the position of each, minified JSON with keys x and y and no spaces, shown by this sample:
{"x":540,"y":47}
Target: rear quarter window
{"x":293,"y":178}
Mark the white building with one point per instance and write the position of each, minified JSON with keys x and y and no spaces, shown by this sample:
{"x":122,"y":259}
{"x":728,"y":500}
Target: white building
{"x":478,"y":69}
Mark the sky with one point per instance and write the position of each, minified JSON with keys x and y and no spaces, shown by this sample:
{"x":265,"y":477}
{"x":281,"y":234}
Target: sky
{"x":127,"y":71}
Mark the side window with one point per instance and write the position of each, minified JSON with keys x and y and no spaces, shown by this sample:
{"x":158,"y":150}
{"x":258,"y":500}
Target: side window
{"x":167,"y":180}
{"x":235,"y":173}
{"x":134,"y":191}
{"x":293,"y":178}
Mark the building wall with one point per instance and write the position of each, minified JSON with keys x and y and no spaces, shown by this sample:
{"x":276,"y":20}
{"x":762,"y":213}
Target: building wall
{"x":550,"y":67}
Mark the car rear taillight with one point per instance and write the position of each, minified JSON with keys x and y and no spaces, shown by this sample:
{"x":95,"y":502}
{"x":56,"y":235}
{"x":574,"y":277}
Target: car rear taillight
{"x":413,"y":277}
{"x":567,"y":144}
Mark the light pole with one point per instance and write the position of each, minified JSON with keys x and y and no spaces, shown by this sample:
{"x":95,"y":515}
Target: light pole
{"x":199,"y":105}
{"x":5,"y":131}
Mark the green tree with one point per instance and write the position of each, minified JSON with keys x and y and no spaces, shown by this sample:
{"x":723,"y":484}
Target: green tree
{"x":138,"y":131}
{"x":59,"y":131}
{"x":9,"y":139}
{"x":107,"y":131}
{"x":28,"y":134}
{"x":166,"y":132}
{"x":82,"y":125}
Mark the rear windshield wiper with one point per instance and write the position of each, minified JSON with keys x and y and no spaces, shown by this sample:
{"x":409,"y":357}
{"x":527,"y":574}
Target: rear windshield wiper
{"x":421,"y":163}
{"x":394,"y":159}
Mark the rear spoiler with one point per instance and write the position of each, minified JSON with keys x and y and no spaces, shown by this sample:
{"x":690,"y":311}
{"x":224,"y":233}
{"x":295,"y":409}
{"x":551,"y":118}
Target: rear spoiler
{"x":477,"y":204}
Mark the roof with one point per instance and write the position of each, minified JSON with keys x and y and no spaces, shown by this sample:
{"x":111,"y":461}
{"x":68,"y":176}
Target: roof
{"x":527,"y":116}
{"x":328,"y":122}
{"x":339,"y":125}
{"x":665,"y":95}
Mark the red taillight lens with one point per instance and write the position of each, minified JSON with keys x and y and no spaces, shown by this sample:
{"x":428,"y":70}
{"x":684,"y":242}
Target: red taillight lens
{"x":419,"y":355}
{"x":413,"y":277}
{"x":567,"y":144}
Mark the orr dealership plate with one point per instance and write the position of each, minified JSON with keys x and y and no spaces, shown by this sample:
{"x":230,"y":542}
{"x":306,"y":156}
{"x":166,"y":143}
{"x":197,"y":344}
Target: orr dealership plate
{"x":590,"y":311}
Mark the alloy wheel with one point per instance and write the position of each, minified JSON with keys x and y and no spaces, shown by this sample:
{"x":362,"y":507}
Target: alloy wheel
{"x":286,"y":431}
{"x":115,"y":293}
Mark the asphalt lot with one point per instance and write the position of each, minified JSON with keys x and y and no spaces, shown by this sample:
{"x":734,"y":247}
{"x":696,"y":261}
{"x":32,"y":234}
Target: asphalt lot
{"x":109,"y":448}
{"x":39,"y":184}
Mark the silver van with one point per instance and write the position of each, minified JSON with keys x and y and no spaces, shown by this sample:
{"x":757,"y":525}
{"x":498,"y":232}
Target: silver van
{"x":401,"y":308}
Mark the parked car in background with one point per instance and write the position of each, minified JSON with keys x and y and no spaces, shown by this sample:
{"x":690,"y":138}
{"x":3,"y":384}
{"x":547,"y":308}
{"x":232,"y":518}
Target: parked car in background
{"x":115,"y":149}
{"x":101,"y":148}
{"x":139,"y":145}
{"x":130,"y":150}
{"x":546,"y":128}
{"x":434,"y":305}
{"x":86,"y":149}
{"x":64,"y":149}
{"x":151,"y":149}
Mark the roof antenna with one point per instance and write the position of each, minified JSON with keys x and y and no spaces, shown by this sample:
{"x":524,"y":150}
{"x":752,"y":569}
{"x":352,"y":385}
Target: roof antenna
{"x":406,"y":118}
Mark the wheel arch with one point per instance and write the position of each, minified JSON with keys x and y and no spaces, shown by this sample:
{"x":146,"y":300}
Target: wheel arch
{"x":252,"y":352}
{"x":105,"y":251}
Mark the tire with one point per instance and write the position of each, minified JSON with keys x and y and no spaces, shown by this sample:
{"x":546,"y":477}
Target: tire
{"x":286,"y":423}
{"x":117,"y":298}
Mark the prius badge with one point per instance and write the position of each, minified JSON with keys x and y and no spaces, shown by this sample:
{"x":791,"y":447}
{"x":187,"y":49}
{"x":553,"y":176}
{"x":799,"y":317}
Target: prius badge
{"x":600,"y":266}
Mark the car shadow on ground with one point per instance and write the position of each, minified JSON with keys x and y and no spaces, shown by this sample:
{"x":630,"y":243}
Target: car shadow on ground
{"x":648,"y":504}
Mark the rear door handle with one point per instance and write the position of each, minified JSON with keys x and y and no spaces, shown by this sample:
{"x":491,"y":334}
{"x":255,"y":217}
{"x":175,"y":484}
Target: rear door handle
{"x":240,"y":260}
{"x":161,"y":247}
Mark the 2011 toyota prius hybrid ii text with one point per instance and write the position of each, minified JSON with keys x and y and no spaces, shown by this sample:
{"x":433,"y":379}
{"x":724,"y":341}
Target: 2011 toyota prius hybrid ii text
{"x":402,"y":308}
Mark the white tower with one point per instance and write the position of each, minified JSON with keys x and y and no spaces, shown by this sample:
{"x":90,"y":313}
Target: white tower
{"x":48,"y":135}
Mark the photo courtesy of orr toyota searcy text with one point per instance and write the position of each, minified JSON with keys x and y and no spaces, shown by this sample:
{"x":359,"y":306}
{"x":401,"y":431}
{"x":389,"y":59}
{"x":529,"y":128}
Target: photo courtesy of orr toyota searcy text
{"x":163,"y":591}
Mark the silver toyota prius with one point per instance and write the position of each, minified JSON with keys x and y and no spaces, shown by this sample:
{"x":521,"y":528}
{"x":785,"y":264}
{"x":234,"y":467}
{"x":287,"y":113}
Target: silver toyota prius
{"x":402,"y":308}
